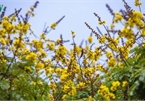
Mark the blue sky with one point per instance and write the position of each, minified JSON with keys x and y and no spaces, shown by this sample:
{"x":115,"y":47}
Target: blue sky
{"x":76,"y":13}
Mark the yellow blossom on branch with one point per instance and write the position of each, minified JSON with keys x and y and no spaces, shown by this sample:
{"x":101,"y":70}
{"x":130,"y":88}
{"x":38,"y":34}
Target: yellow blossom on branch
{"x":114,"y":86}
{"x":72,"y":32}
{"x":102,"y":22}
{"x":50,"y":96}
{"x":90,"y":39}
{"x":124,"y":83}
{"x":137,"y":3}
{"x":53,"y":25}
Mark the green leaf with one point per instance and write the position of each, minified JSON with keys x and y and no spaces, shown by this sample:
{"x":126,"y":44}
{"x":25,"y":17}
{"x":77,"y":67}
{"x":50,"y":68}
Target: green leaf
{"x":4,"y":85}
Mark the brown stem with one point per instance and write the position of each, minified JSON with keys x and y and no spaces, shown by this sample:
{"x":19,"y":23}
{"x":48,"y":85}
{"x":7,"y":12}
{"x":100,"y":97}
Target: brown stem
{"x":126,"y":93}
{"x":92,"y":89}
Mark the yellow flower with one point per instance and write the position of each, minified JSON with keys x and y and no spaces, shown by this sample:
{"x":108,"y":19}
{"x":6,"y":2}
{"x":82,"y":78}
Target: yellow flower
{"x":51,"y":46}
{"x":90,"y":39}
{"x":105,"y":93}
{"x":61,"y":50}
{"x":143,"y":32}
{"x":6,"y":18}
{"x":124,"y":83}
{"x":33,"y":83}
{"x":53,"y":25}
{"x":73,"y":91}
{"x":39,"y":82}
{"x":143,"y":42}
{"x":103,"y":89}
{"x":50,"y":96}
{"x":118,"y":17}
{"x":2,"y":41}
{"x":27,"y":68}
{"x":49,"y":71}
{"x":90,"y":98}
{"x":85,"y":62}
{"x":81,"y":85}
{"x":112,"y":26}
{"x":91,"y":55}
{"x":107,"y":97}
{"x":66,"y":88}
{"x":58,"y":71}
{"x":52,"y":85}
{"x":39,"y":65}
{"x":41,"y":53}
{"x":137,"y":3}
{"x":87,"y":47}
{"x":58,"y":41}
{"x":32,"y":56}
{"x":102,"y":22}
{"x":32,"y":8}
{"x":120,"y":64}
{"x":109,"y":54}
{"x":33,"y":14}
{"x":28,"y":12}
{"x":43,"y":36}
{"x":38,"y":44}
{"x":72,"y":32}
{"x":26,"y":51}
{"x":112,"y":62}
{"x":78,"y":49}
{"x":64,"y":97}
{"x":63,"y":77}
{"x":112,"y":95}
{"x":102,"y":39}
{"x":114,"y":86}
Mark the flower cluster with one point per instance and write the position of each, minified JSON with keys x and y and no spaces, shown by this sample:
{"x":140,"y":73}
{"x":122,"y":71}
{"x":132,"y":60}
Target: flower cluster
{"x":114,"y":86}
{"x":104,"y":91}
